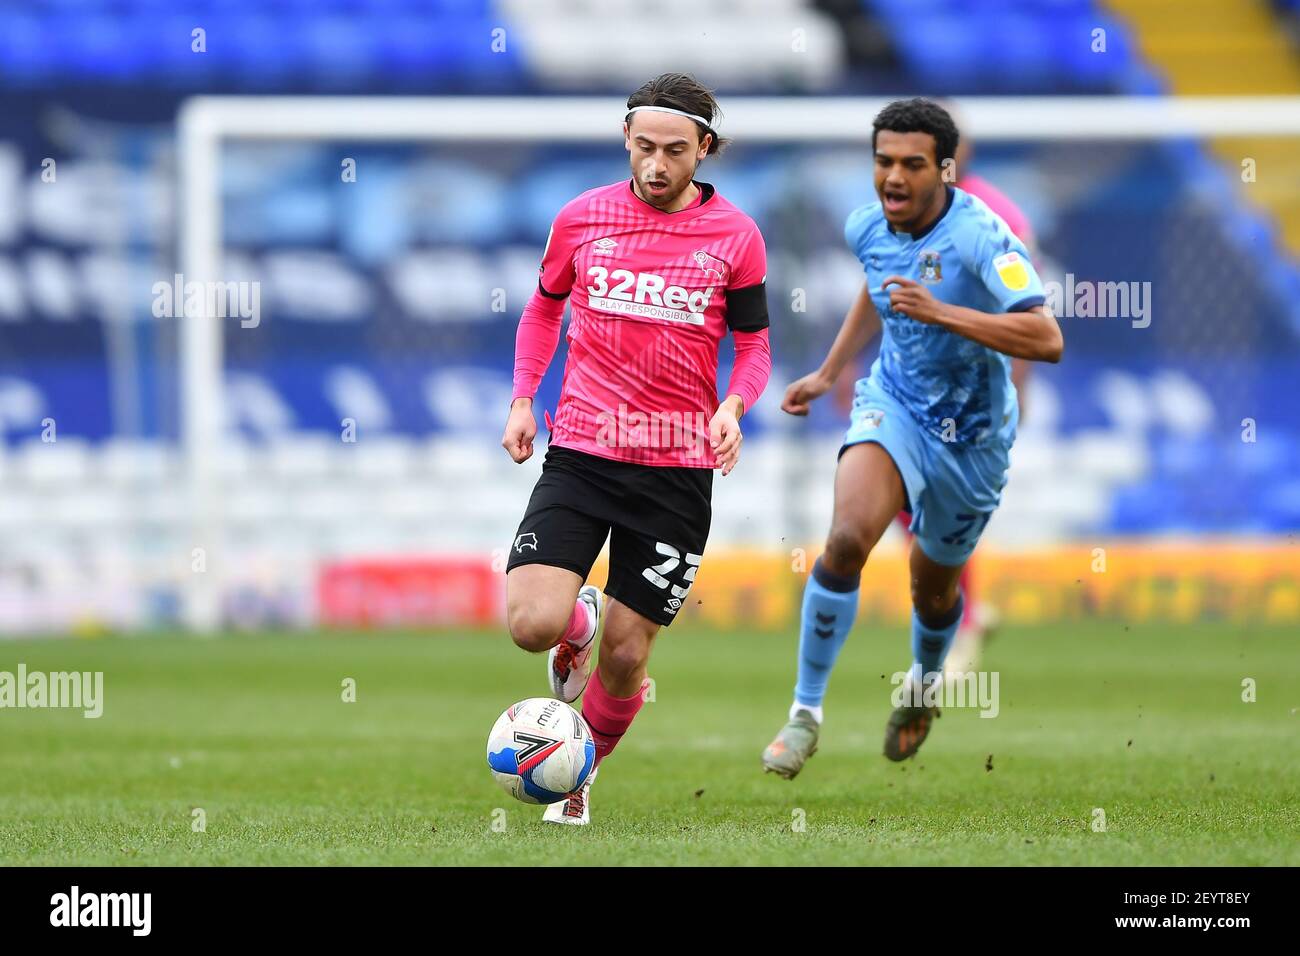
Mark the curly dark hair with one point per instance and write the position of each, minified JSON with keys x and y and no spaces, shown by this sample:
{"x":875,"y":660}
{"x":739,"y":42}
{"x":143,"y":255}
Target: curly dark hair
{"x":682,"y":91}
{"x":919,"y":116}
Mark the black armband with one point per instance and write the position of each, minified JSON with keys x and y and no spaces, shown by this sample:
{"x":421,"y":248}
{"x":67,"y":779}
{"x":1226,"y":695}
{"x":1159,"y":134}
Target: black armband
{"x":747,"y":308}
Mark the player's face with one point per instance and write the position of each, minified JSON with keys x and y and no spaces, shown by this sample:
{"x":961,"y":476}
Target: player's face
{"x":908,"y":180}
{"x":664,"y":150}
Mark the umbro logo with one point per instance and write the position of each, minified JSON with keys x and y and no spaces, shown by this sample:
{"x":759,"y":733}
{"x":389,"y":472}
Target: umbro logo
{"x":604,"y":246}
{"x":526,"y":540}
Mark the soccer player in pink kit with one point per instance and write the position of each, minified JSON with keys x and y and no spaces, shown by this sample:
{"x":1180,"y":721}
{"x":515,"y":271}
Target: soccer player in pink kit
{"x":657,"y":270}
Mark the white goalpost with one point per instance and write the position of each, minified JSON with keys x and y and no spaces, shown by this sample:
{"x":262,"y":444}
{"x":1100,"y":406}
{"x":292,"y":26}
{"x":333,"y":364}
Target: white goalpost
{"x":206,"y":123}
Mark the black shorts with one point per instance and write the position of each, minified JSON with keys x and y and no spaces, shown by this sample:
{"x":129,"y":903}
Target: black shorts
{"x":656,"y":518}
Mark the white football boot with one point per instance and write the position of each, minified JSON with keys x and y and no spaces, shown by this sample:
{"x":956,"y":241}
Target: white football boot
{"x":575,"y":809}
{"x":568,"y":666}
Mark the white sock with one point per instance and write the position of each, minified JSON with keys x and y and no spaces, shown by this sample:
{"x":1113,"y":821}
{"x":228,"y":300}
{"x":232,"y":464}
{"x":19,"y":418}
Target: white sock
{"x":815,"y":711}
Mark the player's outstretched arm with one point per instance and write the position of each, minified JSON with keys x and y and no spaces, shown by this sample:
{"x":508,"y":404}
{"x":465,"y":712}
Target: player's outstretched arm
{"x":1033,"y":334}
{"x":860,"y":326}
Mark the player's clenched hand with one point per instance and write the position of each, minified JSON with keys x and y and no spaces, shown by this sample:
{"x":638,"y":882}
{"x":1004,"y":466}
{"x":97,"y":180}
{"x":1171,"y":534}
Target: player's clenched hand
{"x":802,"y":393}
{"x":914,"y":300}
{"x":521,"y":429}
{"x":725,"y":437}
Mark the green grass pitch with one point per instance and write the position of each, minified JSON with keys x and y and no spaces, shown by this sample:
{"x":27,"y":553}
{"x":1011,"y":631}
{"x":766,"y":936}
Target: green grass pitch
{"x":1146,"y":723}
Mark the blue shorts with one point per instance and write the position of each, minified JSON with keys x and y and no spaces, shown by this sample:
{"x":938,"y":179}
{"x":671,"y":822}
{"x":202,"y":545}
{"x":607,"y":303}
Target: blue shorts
{"x":952,"y":490}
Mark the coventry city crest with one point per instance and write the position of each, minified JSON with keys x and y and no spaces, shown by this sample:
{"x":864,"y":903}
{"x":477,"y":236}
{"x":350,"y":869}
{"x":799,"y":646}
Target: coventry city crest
{"x":930,"y":268}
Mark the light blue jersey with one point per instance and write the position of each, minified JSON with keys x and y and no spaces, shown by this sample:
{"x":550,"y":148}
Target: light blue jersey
{"x":956,"y":389}
{"x":942,"y":406}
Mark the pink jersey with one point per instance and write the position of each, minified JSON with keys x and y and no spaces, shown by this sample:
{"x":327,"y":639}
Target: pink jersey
{"x":648,"y":293}
{"x":1001,"y":204}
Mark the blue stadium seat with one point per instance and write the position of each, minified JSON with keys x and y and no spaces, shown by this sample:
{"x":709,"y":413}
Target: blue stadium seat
{"x":1280,"y":505}
{"x":990,"y":46}
{"x":1147,"y":507}
{"x":472,"y":203}
{"x":1176,"y":457}
{"x":540,"y":195}
{"x":29,"y":54}
{"x":341,"y":52}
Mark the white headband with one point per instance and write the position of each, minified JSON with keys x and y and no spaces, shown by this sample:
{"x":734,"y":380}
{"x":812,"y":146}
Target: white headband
{"x":668,"y":109}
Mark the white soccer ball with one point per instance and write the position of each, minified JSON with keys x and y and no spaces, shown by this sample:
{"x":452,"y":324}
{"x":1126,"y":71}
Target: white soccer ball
{"x":540,"y":750}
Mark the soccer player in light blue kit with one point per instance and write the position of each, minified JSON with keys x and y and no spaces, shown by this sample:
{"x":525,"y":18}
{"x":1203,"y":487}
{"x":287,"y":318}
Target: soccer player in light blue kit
{"x":932,"y":423}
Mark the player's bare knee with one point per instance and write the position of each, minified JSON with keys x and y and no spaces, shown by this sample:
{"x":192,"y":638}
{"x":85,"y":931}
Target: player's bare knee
{"x":529,"y":638}
{"x":846,"y":551}
{"x":531,"y":630}
{"x":934,"y":608}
